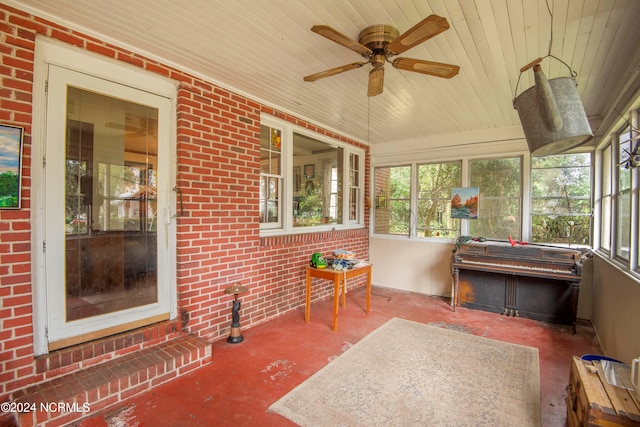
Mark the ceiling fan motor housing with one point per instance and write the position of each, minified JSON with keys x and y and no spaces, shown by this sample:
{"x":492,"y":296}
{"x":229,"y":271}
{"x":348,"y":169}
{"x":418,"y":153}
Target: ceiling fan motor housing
{"x":376,"y":37}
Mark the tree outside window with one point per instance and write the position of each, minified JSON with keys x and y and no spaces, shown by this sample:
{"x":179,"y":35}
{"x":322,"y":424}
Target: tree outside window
{"x":435,"y":182}
{"x":561,"y":199}
{"x":499,"y":181}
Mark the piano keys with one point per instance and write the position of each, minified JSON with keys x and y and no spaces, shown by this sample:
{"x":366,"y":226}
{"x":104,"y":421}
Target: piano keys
{"x":538,"y":282}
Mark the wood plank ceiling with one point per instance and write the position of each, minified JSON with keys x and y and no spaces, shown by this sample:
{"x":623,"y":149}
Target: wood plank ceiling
{"x":263,"y":48}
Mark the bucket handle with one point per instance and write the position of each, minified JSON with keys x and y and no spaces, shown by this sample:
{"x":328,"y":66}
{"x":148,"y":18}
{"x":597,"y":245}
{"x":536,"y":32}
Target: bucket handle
{"x":536,"y":62}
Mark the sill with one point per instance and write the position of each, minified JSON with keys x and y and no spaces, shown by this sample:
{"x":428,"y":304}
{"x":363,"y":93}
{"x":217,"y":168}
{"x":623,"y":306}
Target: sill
{"x":448,"y":241}
{"x":618,"y":265}
{"x":308,"y":230}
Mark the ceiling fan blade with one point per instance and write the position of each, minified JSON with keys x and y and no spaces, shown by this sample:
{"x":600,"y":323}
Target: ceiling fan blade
{"x":431,"y":26}
{"x":437,"y":69}
{"x":341,"y":39}
{"x":376,"y":81}
{"x":333,"y":71}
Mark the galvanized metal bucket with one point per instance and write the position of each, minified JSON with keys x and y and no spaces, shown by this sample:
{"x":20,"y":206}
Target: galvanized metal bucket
{"x":552,"y":115}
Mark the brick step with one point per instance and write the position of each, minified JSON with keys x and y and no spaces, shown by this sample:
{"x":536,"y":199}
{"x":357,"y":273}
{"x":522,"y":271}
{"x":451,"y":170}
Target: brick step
{"x":68,"y":398}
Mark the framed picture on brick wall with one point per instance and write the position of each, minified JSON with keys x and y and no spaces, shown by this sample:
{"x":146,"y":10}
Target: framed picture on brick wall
{"x":10,"y":166}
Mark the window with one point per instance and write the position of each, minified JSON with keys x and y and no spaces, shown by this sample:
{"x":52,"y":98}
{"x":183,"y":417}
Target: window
{"x":499,"y":182}
{"x":354,"y":187}
{"x":561,"y":199}
{"x":415,"y":200}
{"x":623,"y":196}
{"x":321,"y":164}
{"x":620,"y":195}
{"x":270,"y":175}
{"x":302,"y":178}
{"x":435,"y":182}
{"x":605,"y":209}
{"x":393,"y":200}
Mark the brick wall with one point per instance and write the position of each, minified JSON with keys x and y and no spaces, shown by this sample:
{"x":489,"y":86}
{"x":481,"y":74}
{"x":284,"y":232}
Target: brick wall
{"x":218,"y":238}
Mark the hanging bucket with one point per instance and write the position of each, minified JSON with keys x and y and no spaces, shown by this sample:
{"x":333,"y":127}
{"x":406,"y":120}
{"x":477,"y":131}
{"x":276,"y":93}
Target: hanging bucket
{"x":552,"y":115}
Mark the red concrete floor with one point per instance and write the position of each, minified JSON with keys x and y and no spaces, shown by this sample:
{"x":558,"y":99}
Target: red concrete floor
{"x":246,"y":378}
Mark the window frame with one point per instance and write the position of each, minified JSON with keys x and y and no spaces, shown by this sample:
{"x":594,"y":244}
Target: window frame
{"x":631,"y":263}
{"x":590,"y":198}
{"x":415,"y":232}
{"x":605,"y":170}
{"x":525,"y":224}
{"x":384,"y":201}
{"x":618,"y":194}
{"x":279,"y":190}
{"x":286,"y":225}
{"x":525,"y":193}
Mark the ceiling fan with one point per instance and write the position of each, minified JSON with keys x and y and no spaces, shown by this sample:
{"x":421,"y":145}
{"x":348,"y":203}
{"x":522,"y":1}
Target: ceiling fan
{"x":633,"y":156}
{"x":378,"y":43}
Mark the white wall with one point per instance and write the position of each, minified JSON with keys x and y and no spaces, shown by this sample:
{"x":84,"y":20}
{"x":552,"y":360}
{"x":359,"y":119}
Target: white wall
{"x":411,"y":265}
{"x":616,"y":310}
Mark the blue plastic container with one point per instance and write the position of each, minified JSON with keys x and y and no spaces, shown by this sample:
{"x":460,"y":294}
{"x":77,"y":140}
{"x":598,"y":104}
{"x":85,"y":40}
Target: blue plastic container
{"x":592,"y":357}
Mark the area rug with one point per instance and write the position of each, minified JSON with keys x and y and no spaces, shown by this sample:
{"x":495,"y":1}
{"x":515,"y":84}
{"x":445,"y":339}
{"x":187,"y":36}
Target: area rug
{"x":411,"y":374}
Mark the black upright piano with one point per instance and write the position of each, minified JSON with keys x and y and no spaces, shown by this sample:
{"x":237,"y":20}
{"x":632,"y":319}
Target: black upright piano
{"x":534,"y":281}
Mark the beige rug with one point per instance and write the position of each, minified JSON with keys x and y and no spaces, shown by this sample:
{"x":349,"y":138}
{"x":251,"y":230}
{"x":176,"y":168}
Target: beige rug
{"x":411,"y":374}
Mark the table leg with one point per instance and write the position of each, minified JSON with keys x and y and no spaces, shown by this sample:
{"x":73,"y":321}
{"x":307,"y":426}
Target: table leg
{"x":344,"y":291}
{"x":368,"y":290}
{"x":307,"y":308}
{"x":456,"y":288}
{"x":336,"y":299}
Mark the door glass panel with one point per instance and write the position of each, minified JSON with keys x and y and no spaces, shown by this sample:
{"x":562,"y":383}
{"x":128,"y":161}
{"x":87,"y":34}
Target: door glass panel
{"x":110,"y":204}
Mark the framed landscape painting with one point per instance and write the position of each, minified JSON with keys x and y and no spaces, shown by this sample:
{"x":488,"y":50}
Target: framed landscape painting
{"x":10,"y":166}
{"x":464,"y":202}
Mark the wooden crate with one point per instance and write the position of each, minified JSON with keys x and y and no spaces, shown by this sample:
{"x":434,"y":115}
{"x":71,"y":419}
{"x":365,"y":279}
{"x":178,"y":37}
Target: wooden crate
{"x":591,"y":401}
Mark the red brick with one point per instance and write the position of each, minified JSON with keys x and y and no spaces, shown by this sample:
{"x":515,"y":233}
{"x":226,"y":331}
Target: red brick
{"x":67,"y":37}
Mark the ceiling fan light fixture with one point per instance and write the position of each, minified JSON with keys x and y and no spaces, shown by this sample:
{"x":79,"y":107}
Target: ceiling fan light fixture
{"x":376,"y":82}
{"x":377,"y":60}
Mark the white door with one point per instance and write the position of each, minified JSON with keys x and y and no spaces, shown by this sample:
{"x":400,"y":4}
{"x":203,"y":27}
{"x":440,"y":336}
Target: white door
{"x":107,"y":218}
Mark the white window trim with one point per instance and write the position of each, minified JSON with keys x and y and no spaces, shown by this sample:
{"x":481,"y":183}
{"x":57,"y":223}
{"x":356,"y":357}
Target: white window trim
{"x":525,"y":198}
{"x":630,"y":267}
{"x":635,"y":204}
{"x":284,"y":149}
{"x":288,"y":129}
{"x":464,"y":225}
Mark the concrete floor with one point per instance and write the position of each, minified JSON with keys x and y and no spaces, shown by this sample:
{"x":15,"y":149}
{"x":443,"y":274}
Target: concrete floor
{"x":246,"y":378}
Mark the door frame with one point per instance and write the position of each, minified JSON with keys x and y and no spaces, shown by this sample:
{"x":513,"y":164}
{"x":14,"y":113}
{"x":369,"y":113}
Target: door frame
{"x":49,"y":52}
